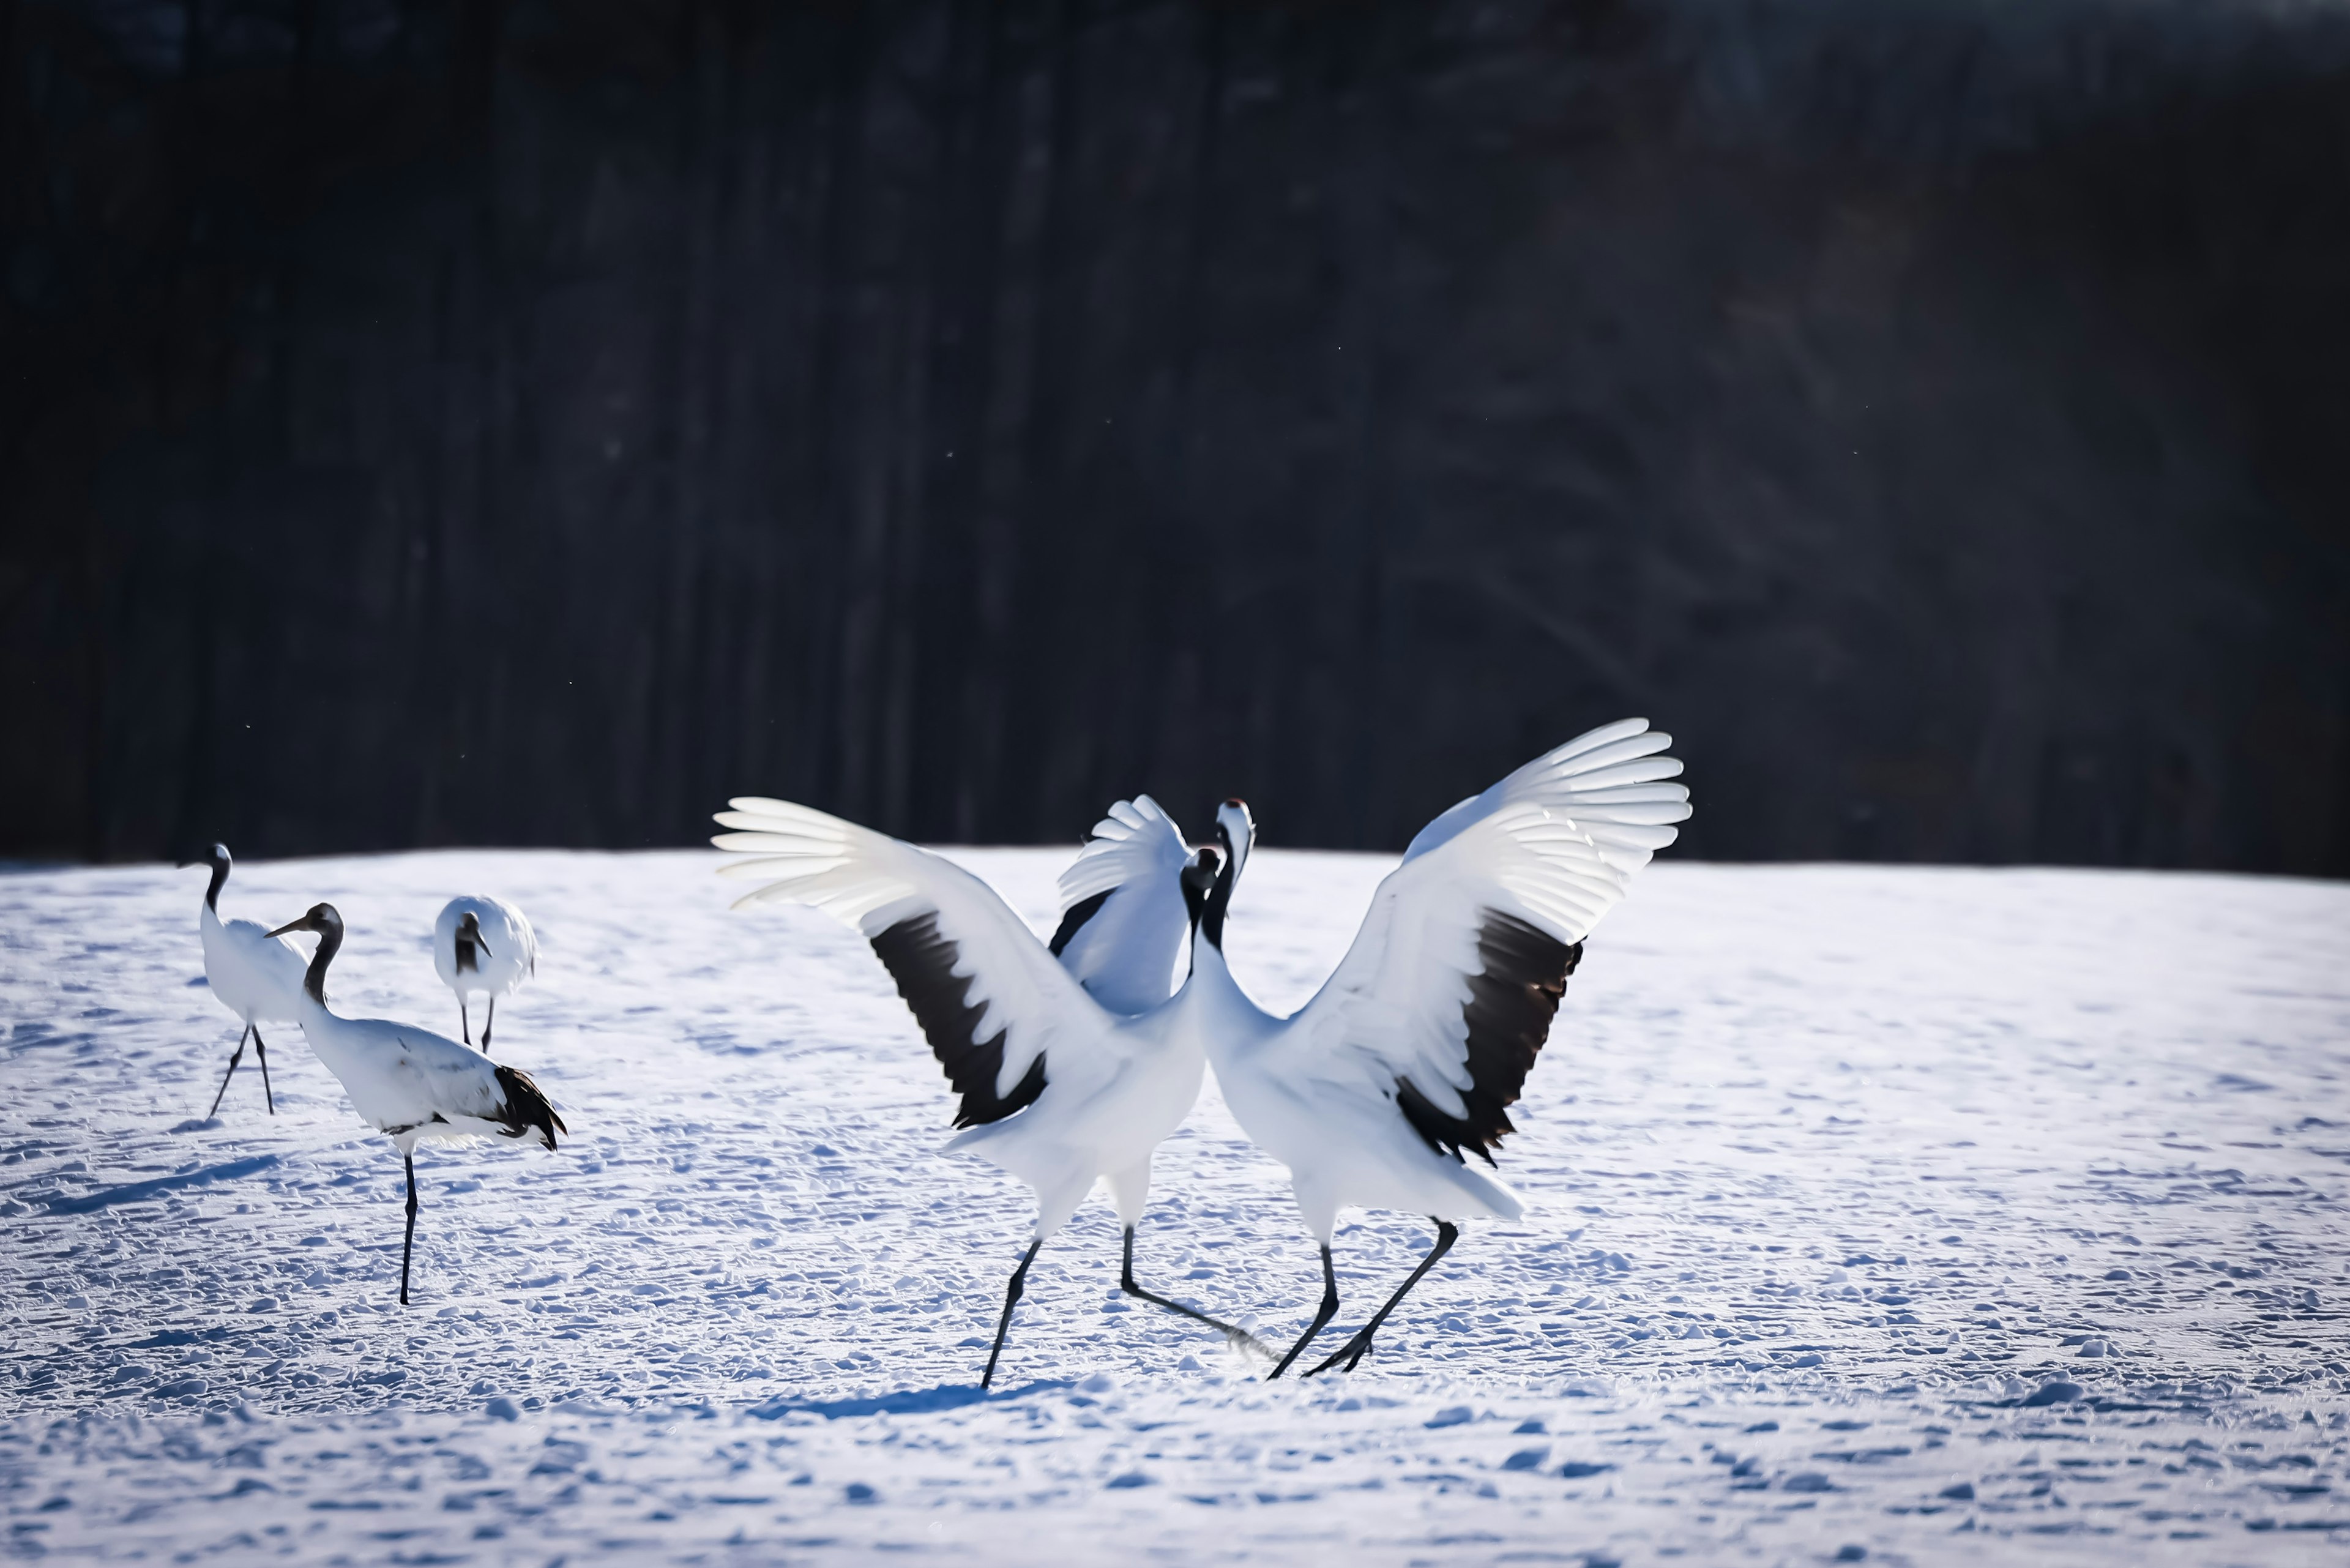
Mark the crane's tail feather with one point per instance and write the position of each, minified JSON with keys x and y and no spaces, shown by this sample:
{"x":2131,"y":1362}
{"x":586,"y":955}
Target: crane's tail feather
{"x":527,"y":1107}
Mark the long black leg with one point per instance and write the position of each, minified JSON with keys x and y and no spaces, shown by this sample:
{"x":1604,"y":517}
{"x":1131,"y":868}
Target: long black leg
{"x":408,"y":1249}
{"x":1011,"y":1295}
{"x":464,"y":1019}
{"x":260,"y":1055}
{"x":1125,"y":1282}
{"x":489,"y":1024}
{"x":1354,"y":1349}
{"x":234,"y":1058}
{"x":1329,"y":1310}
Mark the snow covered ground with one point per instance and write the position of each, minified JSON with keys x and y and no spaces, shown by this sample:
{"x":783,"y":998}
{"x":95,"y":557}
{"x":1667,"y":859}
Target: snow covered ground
{"x":1893,"y":1215}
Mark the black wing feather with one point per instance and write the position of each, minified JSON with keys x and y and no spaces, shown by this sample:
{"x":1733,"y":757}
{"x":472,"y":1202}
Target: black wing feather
{"x":922,"y":961}
{"x":1074,"y":920}
{"x":1522,"y":973}
{"x":527,"y":1107}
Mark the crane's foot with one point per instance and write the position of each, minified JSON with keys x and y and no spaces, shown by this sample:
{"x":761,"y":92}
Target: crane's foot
{"x":234,"y":1058}
{"x":1237,"y":1337}
{"x":1351,"y":1353}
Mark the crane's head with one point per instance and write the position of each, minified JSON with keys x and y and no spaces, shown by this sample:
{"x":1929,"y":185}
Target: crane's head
{"x":321,"y":922}
{"x":217,"y":858}
{"x":469,"y":929}
{"x":1201,"y":874}
{"x":1235,"y":832}
{"x":324,"y":923}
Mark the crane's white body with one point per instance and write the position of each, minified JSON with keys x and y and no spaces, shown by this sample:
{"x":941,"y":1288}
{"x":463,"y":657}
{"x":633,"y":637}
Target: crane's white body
{"x":1116,"y":1085}
{"x":254,"y":973}
{"x":1103,"y":1121}
{"x":1332,"y":1121}
{"x":256,"y":976}
{"x":1552,"y":845}
{"x":511,"y":958}
{"x":407,"y":1081}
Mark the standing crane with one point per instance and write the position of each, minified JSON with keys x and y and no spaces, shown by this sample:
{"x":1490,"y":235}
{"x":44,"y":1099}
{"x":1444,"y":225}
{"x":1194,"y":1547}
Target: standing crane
{"x":407,"y":1082}
{"x":256,"y":976}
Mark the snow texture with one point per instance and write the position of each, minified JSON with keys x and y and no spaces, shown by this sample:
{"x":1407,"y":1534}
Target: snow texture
{"x":1885,"y":1215}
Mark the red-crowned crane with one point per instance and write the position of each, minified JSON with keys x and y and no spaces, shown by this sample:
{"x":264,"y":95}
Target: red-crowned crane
{"x":409,"y":1082}
{"x":255,"y":976}
{"x":482,"y":947}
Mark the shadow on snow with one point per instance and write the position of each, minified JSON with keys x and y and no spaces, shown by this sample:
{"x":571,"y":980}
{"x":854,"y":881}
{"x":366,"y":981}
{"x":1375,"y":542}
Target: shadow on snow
{"x":106,"y":1197}
{"x":905,"y":1401}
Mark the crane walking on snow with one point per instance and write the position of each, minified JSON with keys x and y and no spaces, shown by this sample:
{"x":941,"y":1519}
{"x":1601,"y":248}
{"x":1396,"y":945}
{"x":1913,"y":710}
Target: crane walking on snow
{"x":255,"y":977}
{"x":470,"y":964}
{"x":410,"y":1083}
{"x":1411,"y":1052}
{"x":1057,"y":1088}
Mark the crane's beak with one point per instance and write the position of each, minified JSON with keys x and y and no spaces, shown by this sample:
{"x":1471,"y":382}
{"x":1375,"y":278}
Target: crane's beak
{"x":1238,"y":828}
{"x":301,"y":925}
{"x":480,"y":944}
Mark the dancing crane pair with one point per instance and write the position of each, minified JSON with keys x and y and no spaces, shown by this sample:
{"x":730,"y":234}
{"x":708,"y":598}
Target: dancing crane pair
{"x":1075,"y":1059}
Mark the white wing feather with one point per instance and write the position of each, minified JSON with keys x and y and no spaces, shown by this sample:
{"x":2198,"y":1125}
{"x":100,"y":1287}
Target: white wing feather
{"x":1394,"y":1007}
{"x":1126,"y":954}
{"x":1609,"y":781}
{"x":871,"y":881}
{"x":1554,"y":845}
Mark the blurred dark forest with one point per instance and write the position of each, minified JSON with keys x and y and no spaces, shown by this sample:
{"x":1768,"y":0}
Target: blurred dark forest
{"x":531,"y":424}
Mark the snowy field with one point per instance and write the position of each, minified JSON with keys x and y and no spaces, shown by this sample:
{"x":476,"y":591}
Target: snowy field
{"x":1897,"y":1216}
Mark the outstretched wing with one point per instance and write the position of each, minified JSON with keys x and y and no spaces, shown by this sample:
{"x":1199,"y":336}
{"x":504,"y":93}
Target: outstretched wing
{"x":1122,"y":917}
{"x":1448,"y":993}
{"x":989,"y":997}
{"x":1610,"y":782}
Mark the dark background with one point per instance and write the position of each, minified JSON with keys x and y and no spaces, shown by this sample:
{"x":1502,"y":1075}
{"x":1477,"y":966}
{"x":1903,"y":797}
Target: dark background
{"x":532,"y":423}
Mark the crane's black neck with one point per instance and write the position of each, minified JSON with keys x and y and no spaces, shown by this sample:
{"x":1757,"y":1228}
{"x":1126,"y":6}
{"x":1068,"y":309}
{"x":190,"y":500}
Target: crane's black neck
{"x":1199,"y":880}
{"x":1219,"y":899}
{"x":220,"y":879}
{"x":330,"y":940}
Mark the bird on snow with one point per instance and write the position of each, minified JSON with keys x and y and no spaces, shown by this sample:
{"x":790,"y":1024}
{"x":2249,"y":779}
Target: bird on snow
{"x":408,"y":1082}
{"x":1057,"y":1089}
{"x":257,"y":978}
{"x":1409,"y":1055}
{"x":482,"y":947}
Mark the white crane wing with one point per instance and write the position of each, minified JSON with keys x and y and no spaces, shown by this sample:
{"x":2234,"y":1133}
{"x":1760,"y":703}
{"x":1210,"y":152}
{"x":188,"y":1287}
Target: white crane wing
{"x":448,"y":1078}
{"x":1610,"y":782}
{"x":1449,"y":989}
{"x":403,"y":1077}
{"x":1123,"y":922}
{"x":989,"y":997}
